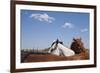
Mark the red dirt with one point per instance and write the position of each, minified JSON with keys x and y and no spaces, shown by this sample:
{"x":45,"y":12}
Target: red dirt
{"x":49,"y":57}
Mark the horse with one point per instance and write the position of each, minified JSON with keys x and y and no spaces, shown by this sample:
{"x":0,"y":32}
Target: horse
{"x":77,"y":46}
{"x":57,"y":48}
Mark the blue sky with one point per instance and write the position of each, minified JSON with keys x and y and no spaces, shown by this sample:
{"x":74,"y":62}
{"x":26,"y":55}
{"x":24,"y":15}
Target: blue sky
{"x":40,"y":28}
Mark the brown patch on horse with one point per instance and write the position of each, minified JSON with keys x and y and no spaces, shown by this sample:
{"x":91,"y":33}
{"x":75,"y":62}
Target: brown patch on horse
{"x":77,"y":46}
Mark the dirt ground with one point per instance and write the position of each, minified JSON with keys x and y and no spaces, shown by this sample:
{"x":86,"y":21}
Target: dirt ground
{"x":50,"y":57}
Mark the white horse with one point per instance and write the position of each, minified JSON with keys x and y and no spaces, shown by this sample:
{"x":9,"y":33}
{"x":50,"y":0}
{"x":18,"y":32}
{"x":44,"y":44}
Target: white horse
{"x":58,"y":49}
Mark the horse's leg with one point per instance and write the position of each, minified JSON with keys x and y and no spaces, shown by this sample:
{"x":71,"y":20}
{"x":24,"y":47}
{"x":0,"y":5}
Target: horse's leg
{"x":61,"y":53}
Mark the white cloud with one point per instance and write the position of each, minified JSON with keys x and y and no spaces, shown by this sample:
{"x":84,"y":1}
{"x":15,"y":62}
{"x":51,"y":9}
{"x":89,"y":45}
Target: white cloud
{"x":43,"y":17}
{"x":84,"y":30}
{"x":68,"y":25}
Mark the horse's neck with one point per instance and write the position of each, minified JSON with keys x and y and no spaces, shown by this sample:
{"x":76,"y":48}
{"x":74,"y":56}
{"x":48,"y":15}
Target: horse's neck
{"x":53,"y":47}
{"x":62,"y":47}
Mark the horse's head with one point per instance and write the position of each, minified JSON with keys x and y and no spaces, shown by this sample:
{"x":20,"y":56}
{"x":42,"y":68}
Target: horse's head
{"x":54,"y":45}
{"x":77,"y":45}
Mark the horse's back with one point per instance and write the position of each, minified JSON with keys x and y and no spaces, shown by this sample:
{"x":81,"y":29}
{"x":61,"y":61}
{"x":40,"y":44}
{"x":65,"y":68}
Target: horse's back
{"x":66,"y":51}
